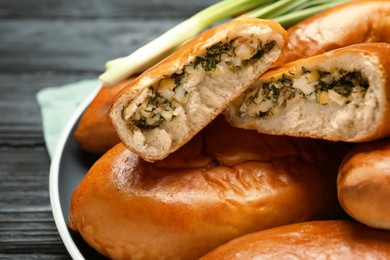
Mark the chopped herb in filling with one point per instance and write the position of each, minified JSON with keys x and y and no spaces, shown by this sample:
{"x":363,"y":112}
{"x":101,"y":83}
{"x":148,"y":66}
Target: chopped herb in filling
{"x":155,"y":111}
{"x":343,"y":85}
{"x":339,"y":87}
{"x":264,"y":49}
{"x":143,"y":124}
{"x":164,"y":97}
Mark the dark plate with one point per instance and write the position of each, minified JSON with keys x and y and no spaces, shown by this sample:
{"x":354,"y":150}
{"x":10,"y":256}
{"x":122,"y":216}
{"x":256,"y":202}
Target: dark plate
{"x":68,"y":167}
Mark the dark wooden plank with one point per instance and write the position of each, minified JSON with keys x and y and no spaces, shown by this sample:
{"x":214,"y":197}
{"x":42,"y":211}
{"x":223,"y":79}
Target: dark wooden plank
{"x":95,"y":9}
{"x":20,"y":117}
{"x":26,"y":220}
{"x":27,"y":229}
{"x":70,"y":46}
{"x":24,"y":172}
{"x":33,"y":256}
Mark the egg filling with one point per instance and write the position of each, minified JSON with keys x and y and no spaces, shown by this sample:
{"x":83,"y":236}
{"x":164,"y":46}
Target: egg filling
{"x":160,"y":103}
{"x":338,"y":87}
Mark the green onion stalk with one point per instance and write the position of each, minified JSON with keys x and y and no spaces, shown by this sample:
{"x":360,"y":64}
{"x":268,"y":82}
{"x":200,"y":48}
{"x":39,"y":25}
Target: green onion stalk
{"x":286,"y":12}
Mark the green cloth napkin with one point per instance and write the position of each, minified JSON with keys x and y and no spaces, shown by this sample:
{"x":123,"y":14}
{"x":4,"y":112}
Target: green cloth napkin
{"x":57,"y":104}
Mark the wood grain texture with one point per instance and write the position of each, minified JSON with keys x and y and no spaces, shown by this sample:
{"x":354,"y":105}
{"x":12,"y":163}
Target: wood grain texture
{"x":50,"y":43}
{"x":72,"y":46}
{"x":95,"y":9}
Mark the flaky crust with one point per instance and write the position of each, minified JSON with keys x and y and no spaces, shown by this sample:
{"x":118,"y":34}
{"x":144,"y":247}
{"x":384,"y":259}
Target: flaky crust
{"x":333,"y":239}
{"x":94,"y":132}
{"x":345,"y":24}
{"x":363,"y":183}
{"x":174,"y":63}
{"x":381,"y":127}
{"x":225,"y":183}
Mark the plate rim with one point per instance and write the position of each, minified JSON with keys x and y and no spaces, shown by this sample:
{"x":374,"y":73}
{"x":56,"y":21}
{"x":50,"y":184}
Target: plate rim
{"x":59,"y":218}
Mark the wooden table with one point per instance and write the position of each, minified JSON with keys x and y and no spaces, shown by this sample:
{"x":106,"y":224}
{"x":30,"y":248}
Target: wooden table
{"x":50,"y":43}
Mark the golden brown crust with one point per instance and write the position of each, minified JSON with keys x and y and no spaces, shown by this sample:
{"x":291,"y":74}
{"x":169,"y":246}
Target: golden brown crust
{"x":228,"y":182}
{"x":363,"y":183}
{"x":175,"y":62}
{"x":94,"y":133}
{"x":333,"y":239}
{"x":346,"y":24}
{"x":381,"y":128}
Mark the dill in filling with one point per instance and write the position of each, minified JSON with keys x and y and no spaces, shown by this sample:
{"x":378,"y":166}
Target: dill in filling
{"x":142,"y":124}
{"x":208,"y":62}
{"x":345,"y":83}
{"x":264,"y":49}
{"x":213,"y":56}
{"x":156,"y":119}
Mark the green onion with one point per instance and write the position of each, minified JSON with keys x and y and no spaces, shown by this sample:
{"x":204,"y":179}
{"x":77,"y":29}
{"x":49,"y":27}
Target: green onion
{"x":292,"y":18}
{"x":267,"y":11}
{"x":286,"y":12}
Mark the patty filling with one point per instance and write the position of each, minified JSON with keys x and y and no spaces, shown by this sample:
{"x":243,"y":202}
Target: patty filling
{"x":339,"y":87}
{"x":160,"y":103}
